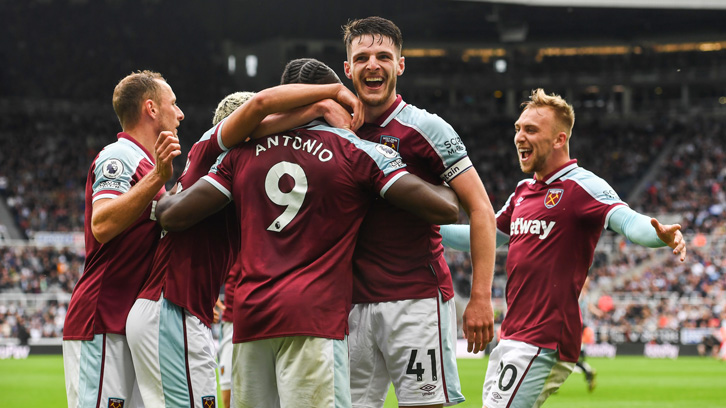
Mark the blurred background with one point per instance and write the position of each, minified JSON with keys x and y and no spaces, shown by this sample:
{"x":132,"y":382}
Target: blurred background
{"x":648,"y":85}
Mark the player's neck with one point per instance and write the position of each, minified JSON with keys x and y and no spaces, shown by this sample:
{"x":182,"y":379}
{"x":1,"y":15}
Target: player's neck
{"x":144,"y":137}
{"x":551,"y":166}
{"x":373,"y":113}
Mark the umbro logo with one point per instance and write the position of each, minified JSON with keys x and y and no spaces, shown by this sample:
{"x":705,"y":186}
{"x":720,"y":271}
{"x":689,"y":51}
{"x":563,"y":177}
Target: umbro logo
{"x":428,"y":387}
{"x":496,"y":396}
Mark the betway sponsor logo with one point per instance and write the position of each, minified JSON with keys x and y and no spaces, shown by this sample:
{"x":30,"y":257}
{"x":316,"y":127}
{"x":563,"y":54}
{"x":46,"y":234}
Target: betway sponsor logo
{"x":535,"y":227}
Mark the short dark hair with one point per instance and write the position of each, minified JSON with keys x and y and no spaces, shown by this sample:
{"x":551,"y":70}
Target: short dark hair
{"x":308,"y":71}
{"x":375,"y":26}
{"x":131,"y":92}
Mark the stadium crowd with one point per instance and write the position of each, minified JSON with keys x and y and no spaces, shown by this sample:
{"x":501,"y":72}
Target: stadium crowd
{"x":44,"y":191}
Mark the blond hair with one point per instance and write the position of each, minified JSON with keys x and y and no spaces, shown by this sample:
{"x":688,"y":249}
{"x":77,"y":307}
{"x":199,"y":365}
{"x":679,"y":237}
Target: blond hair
{"x":564,"y":113}
{"x":231,"y":102}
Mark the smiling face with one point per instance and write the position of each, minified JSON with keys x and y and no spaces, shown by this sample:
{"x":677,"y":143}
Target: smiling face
{"x":373,"y":64}
{"x":538,"y":141}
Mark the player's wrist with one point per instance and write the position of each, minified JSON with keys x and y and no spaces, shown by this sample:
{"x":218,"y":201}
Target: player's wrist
{"x":481,"y":295}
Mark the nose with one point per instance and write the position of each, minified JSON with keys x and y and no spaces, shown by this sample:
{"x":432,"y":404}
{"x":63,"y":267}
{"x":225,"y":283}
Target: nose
{"x":373,"y":63}
{"x":518,"y":137}
{"x":180,"y":115}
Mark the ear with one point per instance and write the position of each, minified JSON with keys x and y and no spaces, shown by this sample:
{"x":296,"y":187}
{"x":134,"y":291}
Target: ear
{"x":401,"y":66}
{"x":560,"y":140}
{"x":346,"y":68}
{"x":149,"y":108}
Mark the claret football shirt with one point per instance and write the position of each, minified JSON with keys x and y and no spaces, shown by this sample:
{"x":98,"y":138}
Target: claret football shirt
{"x":553,"y":227}
{"x":300,"y":198}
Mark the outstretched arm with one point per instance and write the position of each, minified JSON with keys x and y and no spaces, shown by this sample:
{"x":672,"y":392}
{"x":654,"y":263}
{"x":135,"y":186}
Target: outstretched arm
{"x":647,"y":231}
{"x":182,"y":210}
{"x":435,"y":204}
{"x":479,"y":314}
{"x":244,"y":120}
{"x":111,"y":216}
{"x":458,"y":236}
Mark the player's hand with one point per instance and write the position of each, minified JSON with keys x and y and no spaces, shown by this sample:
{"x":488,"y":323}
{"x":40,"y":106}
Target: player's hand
{"x":336,"y":115}
{"x":218,"y":310}
{"x":672,"y":236}
{"x":478,"y":324}
{"x":166,"y":149}
{"x":346,"y":98}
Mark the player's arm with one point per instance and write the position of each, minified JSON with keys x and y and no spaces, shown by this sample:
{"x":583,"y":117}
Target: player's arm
{"x":435,"y":204}
{"x":182,"y":210}
{"x":478,"y":319}
{"x":112,"y":216}
{"x":244,"y":120}
{"x":647,"y":231}
{"x":333,"y":113}
{"x":458,"y":236}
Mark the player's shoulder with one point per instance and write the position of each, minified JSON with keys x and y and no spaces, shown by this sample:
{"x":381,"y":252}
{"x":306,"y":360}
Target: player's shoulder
{"x":416,"y":117}
{"x":382,"y":155}
{"x":123,"y":152}
{"x":213,"y":131}
{"x":341,"y":136}
{"x":593,"y":184}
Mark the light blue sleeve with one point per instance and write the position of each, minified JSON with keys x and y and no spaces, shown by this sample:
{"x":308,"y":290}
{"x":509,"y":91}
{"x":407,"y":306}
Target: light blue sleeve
{"x":456,"y":236}
{"x":635,"y":227}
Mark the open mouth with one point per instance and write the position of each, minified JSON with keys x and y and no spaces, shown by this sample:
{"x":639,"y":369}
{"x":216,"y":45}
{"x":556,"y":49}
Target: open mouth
{"x":374,"y":82}
{"x":524,"y":154}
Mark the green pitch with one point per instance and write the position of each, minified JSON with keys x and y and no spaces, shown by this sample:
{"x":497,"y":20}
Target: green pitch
{"x":634,"y":382}
{"x":623,"y":382}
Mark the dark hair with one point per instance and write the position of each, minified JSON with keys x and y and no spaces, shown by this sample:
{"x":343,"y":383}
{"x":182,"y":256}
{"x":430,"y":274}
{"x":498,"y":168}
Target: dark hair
{"x":131,"y":92}
{"x":308,"y":71}
{"x":375,"y":26}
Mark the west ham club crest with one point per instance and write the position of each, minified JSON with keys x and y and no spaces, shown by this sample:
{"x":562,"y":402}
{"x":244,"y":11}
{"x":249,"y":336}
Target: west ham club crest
{"x":553,"y":197}
{"x":115,"y":403}
{"x":390,"y":141}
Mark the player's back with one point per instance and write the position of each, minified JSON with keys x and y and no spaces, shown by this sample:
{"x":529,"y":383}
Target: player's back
{"x":190,"y":265}
{"x":300,"y":198}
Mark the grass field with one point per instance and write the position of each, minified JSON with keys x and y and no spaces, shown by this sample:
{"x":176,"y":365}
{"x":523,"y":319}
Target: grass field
{"x":623,"y":382}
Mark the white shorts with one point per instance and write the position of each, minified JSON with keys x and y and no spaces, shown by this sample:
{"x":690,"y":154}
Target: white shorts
{"x":411,"y":343}
{"x":521,"y":375}
{"x":174,"y":355}
{"x":99,"y":373}
{"x":299,"y":372}
{"x":225,"y":357}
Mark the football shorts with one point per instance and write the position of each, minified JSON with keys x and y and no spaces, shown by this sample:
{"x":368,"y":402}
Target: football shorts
{"x":99,"y":373}
{"x":411,"y":343}
{"x":298,"y":371}
{"x":174,"y":355}
{"x":521,"y":375}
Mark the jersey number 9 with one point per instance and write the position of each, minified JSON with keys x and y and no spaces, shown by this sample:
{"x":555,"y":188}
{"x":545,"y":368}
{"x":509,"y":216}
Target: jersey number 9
{"x":292,"y":199}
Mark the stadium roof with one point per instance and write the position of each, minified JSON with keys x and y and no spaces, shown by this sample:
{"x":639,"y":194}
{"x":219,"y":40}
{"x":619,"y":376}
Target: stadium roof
{"x":655,"y":4}
{"x":470,"y":21}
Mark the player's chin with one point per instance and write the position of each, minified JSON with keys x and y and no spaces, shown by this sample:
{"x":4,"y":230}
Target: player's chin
{"x":373,"y":99}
